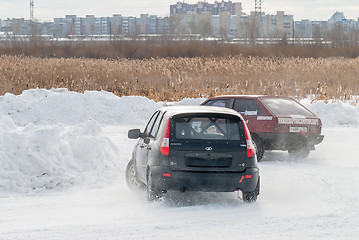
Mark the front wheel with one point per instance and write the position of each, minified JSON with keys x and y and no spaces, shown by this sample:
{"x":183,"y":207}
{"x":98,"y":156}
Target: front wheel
{"x":297,"y":153}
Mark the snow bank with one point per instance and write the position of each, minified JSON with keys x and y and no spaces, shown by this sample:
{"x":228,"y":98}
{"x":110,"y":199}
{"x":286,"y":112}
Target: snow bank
{"x":53,"y":138}
{"x":335,"y":114}
{"x":59,"y":106}
{"x":49,"y":156}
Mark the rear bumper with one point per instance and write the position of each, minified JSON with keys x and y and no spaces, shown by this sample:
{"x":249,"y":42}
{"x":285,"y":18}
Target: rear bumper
{"x":247,"y":181}
{"x":285,"y":141}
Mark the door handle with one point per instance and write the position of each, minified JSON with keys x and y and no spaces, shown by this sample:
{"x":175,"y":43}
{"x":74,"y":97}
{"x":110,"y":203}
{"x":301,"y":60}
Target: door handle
{"x":142,"y":146}
{"x":149,"y":148}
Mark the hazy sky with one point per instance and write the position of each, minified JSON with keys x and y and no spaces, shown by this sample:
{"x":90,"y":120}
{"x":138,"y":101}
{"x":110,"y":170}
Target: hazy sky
{"x":48,"y":9}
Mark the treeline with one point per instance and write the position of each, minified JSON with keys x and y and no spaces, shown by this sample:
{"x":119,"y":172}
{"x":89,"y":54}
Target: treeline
{"x":147,"y":49}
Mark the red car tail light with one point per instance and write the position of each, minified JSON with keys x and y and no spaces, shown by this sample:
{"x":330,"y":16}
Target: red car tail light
{"x":250,"y":146}
{"x":165,"y":145}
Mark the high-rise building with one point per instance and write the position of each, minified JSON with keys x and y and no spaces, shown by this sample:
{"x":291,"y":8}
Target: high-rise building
{"x":153,"y":24}
{"x":281,"y":25}
{"x":89,"y":25}
{"x":116,"y":24}
{"x":163,"y":25}
{"x":223,"y":19}
{"x":144,"y":24}
{"x":132,"y":26}
{"x":215,"y":9}
{"x":73,"y":25}
{"x":59,"y":28}
{"x":206,"y":19}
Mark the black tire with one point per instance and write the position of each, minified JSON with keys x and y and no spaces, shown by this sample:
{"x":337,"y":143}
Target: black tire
{"x":249,"y":197}
{"x":259,"y":146}
{"x":153,"y":194}
{"x":297,"y":153}
{"x":131,"y":179}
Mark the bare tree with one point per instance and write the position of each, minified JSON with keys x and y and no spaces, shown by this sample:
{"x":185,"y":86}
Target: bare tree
{"x":252,"y":30}
{"x":317,"y":36}
{"x":205,"y":28}
{"x":35,"y":33}
{"x":336,"y":35}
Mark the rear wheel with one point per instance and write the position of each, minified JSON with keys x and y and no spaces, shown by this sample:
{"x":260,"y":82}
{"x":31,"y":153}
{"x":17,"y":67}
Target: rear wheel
{"x":259,"y":146}
{"x":249,"y":197}
{"x":131,"y":177}
{"x":153,"y":194}
{"x":300,"y":152}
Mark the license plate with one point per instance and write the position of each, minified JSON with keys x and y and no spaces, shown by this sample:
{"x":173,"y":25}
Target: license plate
{"x":298,"y":129}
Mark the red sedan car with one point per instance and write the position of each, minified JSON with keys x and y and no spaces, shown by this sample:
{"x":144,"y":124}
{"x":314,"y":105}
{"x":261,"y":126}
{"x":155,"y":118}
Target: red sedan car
{"x":275,"y":123}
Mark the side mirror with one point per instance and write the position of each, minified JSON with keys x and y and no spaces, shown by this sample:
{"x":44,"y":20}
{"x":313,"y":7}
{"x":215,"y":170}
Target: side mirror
{"x":134,"y":133}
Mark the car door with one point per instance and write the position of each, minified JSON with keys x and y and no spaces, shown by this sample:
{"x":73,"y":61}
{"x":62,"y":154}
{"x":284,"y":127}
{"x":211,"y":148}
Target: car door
{"x":152,"y":141}
{"x":143,"y":147}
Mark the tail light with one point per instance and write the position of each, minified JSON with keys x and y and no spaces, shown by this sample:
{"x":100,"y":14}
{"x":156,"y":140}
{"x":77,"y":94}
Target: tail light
{"x":250,"y":145}
{"x":165,"y":145}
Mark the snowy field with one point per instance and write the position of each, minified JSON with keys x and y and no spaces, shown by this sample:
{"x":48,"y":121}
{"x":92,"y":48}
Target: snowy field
{"x":63,"y":157}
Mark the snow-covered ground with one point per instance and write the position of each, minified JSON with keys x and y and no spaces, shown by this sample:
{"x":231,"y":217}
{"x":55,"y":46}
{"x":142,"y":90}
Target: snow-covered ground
{"x":62,"y":162}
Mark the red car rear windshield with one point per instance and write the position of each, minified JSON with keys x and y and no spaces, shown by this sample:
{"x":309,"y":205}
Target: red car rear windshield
{"x":285,"y":106}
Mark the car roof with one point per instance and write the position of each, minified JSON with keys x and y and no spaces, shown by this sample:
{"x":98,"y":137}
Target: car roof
{"x":249,"y":96}
{"x":174,"y":110}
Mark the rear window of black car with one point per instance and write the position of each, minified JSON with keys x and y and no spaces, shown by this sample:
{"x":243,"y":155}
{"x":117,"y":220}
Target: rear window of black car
{"x":284,"y":106}
{"x":208,"y":128}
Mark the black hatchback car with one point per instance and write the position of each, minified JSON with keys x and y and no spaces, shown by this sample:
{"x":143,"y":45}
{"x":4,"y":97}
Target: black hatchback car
{"x":194,"y":148}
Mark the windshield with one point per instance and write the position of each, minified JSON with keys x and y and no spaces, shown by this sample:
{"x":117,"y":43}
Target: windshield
{"x":285,"y":106}
{"x":216,"y":128}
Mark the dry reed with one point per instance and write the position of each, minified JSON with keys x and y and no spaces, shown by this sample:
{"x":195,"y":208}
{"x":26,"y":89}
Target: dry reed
{"x":170,"y":79}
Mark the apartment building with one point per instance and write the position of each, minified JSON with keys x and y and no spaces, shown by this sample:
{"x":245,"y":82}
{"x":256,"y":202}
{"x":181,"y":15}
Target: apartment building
{"x":226,"y":20}
{"x":322,"y":29}
{"x":277,"y":26}
{"x":205,"y":19}
{"x":117,"y":25}
{"x":144,"y":23}
{"x":73,"y":25}
{"x":153,"y":24}
{"x":163,"y":25}
{"x":216,"y":8}
{"x":221,"y":19}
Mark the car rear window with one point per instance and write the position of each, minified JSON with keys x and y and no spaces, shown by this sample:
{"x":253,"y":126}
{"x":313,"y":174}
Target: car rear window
{"x":216,"y":128}
{"x":217,"y":103}
{"x":247,"y":107}
{"x":281,"y":106}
